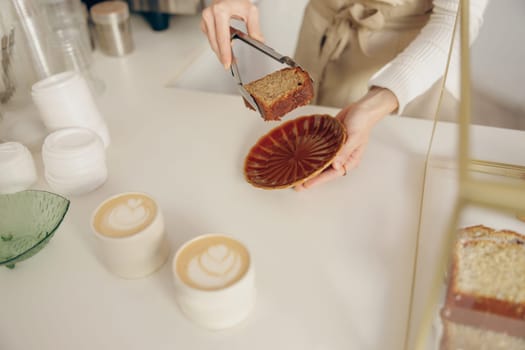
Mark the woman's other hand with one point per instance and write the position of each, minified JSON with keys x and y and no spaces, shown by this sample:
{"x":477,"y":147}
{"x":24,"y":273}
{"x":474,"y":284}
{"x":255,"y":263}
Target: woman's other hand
{"x":216,"y":25}
{"x":359,"y":118}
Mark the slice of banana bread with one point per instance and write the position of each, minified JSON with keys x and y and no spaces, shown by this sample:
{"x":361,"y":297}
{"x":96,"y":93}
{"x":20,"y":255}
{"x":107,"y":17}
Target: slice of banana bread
{"x":488,"y":272}
{"x":281,"y":92}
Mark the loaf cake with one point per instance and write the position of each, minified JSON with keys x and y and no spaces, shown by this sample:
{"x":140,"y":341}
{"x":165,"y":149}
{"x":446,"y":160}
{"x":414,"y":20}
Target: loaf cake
{"x":485,"y":303}
{"x":281,"y":92}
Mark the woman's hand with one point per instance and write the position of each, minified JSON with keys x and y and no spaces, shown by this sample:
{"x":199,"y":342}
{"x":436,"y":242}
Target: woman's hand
{"x":216,"y":25}
{"x":359,"y":118}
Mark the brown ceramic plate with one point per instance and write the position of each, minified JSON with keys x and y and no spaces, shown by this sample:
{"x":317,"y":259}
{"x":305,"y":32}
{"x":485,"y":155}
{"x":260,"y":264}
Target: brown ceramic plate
{"x":294,"y":152}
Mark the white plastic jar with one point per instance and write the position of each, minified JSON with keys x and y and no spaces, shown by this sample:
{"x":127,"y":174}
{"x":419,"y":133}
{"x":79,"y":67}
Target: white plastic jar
{"x":74,"y":161}
{"x":17,"y":168}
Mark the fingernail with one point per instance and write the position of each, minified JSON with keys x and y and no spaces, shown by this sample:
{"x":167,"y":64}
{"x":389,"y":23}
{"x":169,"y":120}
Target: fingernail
{"x":226,"y":66}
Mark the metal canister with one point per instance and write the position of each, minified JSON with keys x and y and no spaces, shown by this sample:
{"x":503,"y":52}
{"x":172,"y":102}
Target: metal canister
{"x":112,"y":27}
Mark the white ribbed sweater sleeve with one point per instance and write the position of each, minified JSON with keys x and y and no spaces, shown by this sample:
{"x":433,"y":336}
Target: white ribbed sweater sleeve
{"x":423,"y":61}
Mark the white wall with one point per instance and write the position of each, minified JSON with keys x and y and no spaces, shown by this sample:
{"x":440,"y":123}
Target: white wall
{"x":498,"y":55}
{"x":280,"y":22}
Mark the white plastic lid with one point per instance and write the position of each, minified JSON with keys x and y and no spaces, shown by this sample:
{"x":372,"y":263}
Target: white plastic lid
{"x":53,"y":81}
{"x":11,"y":152}
{"x":17,"y":168}
{"x":72,"y":142}
{"x":74,"y":160}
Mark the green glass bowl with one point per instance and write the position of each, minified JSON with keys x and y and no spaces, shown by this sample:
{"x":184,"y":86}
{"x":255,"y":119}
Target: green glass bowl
{"x":28,"y":220}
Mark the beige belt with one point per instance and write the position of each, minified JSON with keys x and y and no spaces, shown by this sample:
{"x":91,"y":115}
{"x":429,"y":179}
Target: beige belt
{"x":361,"y":19}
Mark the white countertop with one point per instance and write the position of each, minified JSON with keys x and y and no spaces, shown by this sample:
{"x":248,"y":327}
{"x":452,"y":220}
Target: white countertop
{"x":334,"y":264}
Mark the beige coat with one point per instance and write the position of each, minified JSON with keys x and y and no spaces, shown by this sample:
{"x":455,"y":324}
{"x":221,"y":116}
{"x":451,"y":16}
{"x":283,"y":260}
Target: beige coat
{"x":342,"y":43}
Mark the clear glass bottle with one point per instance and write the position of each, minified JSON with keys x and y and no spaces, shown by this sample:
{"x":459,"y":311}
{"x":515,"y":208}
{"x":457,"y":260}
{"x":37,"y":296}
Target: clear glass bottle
{"x":68,"y":22}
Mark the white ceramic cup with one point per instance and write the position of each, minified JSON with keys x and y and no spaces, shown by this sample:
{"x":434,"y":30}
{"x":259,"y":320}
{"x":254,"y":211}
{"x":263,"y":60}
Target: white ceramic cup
{"x":130,"y":234}
{"x":214,"y":281}
{"x":65,"y":100}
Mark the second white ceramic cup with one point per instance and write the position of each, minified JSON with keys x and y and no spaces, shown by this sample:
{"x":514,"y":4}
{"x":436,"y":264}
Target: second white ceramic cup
{"x":212,"y":306}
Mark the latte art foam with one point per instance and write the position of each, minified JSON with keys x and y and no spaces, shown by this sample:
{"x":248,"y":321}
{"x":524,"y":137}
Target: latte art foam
{"x":125,"y":215}
{"x":212,"y":262}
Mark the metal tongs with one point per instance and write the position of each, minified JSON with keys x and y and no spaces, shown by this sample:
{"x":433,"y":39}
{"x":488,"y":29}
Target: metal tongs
{"x":237,"y":34}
